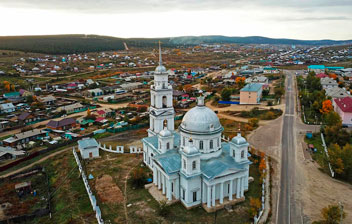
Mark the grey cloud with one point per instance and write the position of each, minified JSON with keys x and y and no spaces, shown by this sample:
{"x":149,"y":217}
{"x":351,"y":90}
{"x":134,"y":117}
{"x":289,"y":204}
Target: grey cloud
{"x":327,"y":18}
{"x":111,"y":6}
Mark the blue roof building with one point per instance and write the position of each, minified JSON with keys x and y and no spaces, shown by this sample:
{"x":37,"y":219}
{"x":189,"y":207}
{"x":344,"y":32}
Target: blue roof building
{"x":89,"y":148}
{"x":251,"y":93}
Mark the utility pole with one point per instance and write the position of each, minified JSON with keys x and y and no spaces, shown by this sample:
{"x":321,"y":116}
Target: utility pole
{"x":341,"y":212}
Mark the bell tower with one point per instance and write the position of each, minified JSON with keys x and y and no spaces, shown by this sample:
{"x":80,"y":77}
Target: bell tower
{"x":161,"y":110}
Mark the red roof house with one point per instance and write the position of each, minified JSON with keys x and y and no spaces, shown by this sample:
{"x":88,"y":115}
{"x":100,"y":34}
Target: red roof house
{"x":343,"y":106}
{"x":321,"y":75}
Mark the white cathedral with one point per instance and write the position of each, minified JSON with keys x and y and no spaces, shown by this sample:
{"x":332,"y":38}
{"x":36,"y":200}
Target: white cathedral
{"x":193,"y":165}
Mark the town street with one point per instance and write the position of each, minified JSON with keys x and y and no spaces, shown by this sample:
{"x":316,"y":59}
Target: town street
{"x":284,"y":210}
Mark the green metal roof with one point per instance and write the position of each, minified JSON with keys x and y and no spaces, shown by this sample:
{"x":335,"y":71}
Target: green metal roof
{"x":252,"y":87}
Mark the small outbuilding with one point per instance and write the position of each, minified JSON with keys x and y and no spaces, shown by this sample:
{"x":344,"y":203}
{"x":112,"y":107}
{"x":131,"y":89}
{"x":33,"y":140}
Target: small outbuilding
{"x":89,"y":148}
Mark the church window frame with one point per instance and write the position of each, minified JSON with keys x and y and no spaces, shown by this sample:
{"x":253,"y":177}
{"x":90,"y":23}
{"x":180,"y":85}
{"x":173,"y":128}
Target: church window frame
{"x":194,"y":196}
{"x":168,"y":145}
{"x":184,"y":164}
{"x":218,"y":142}
{"x":242,"y":154}
{"x":183,"y":194}
{"x":211,"y":144}
{"x":201,"y":145}
{"x":184,"y":141}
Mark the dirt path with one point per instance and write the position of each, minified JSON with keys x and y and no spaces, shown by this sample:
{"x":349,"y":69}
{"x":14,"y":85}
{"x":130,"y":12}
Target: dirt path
{"x":36,"y":162}
{"x":125,"y":193}
{"x":315,"y":189}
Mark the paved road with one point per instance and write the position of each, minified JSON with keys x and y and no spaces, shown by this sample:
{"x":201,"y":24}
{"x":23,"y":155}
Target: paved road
{"x":285,"y":209}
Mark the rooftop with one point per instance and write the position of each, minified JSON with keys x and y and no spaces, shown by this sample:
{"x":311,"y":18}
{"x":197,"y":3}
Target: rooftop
{"x":345,"y":104}
{"x":252,"y":87}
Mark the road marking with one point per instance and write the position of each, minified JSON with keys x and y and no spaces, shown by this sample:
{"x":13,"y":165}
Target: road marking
{"x":290,"y":115}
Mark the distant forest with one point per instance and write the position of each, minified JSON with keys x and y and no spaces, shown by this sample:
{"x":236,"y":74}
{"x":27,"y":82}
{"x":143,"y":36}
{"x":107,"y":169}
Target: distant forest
{"x":68,"y":44}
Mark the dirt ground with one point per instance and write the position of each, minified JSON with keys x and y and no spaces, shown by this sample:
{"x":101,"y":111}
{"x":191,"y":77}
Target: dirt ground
{"x":315,"y":189}
{"x":107,"y":190}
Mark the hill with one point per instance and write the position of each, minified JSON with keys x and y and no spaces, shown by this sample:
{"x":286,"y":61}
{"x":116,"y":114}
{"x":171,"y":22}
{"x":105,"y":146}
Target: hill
{"x":252,"y":40}
{"x":68,"y":44}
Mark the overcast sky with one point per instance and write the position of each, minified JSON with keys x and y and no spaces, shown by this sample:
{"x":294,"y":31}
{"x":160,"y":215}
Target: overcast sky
{"x":299,"y":19}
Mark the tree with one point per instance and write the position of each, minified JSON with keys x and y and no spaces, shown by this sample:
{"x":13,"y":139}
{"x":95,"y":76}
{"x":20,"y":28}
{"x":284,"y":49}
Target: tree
{"x":254,"y":122}
{"x":332,"y":215}
{"x":226,"y":94}
{"x":240,"y":81}
{"x":279,"y":91}
{"x":187,"y":88}
{"x":326,"y":107}
{"x":335,"y":160}
{"x":255,"y":205}
{"x":88,"y":112}
{"x":139,"y":177}
{"x":341,"y":160}
{"x":332,"y":118}
{"x":265,"y":92}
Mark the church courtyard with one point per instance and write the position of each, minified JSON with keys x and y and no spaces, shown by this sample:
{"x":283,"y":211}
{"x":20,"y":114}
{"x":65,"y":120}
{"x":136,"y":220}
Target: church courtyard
{"x":138,"y":205}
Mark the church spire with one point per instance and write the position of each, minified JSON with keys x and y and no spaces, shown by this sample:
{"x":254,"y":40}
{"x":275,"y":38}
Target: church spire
{"x":160,"y":59}
{"x":160,"y":68}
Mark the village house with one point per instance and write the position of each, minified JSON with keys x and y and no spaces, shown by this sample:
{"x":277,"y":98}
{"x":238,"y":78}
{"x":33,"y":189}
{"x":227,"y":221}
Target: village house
{"x":343,"y":106}
{"x":328,"y":83}
{"x":64,"y":124}
{"x":316,"y":68}
{"x":10,"y":153}
{"x":131,"y":86}
{"x":21,"y":139}
{"x":26,"y":117}
{"x":257,"y":79}
{"x":72,"y":108}
{"x":95,"y":92}
{"x":47,"y":100}
{"x":89,"y":148}
{"x":251,"y":93}
{"x":7,"y":108}
{"x":270,"y":70}
{"x":322,"y":75}
{"x":12,"y":95}
{"x":336,"y":92}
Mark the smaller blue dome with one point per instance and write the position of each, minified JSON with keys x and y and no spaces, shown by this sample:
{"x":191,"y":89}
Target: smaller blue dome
{"x":190,"y":149}
{"x":160,"y":69}
{"x":239,"y":140}
{"x":165,"y":132}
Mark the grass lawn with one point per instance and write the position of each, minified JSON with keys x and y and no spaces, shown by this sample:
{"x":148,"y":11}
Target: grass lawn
{"x":319,"y":156}
{"x":70,"y":202}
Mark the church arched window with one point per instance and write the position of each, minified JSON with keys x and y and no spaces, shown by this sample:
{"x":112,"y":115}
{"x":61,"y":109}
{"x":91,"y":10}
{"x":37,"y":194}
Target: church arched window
{"x":194,"y":165}
{"x":200,"y":145}
{"x":242,"y":154}
{"x":164,"y":101}
{"x":184,"y":141}
{"x":211,"y":145}
{"x":184,"y":164}
{"x":168,"y":145}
